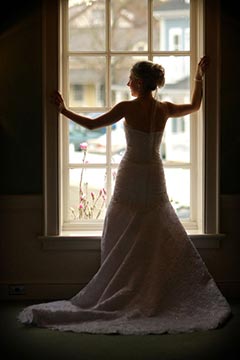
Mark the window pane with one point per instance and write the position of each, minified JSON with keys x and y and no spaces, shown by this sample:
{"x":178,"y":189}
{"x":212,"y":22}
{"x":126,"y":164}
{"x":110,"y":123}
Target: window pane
{"x":86,"y":21}
{"x":86,"y":194}
{"x":176,"y":140}
{"x":97,"y":147}
{"x":179,"y":192}
{"x":129,"y":25}
{"x":87,"y":81}
{"x":90,"y":146}
{"x":177,"y":76}
{"x":171,"y":30}
{"x":120,"y":71}
{"x":85,"y":145}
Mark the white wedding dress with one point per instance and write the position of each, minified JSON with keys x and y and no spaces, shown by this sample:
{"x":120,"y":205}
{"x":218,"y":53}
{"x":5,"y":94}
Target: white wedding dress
{"x":151,"y":280}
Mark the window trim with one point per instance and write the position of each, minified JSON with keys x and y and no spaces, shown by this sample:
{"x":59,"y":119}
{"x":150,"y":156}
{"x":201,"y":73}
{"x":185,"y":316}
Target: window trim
{"x":50,"y":81}
{"x":212,"y":117}
{"x":52,"y":167}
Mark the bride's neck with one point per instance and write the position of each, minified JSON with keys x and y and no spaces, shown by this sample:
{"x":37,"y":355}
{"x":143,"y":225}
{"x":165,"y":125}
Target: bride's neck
{"x":145,"y":97}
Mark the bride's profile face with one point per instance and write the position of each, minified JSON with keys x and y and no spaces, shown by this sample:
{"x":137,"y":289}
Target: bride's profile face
{"x":133,"y":83}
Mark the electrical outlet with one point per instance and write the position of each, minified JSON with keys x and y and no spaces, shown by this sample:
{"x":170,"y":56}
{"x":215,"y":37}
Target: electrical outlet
{"x":16,"y":289}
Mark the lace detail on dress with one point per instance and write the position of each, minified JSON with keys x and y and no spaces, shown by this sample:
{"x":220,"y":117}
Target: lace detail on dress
{"x":144,"y":186}
{"x":151,"y":280}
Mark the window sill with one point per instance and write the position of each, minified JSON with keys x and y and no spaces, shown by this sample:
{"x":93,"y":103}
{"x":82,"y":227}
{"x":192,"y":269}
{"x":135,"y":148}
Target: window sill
{"x":91,"y":242}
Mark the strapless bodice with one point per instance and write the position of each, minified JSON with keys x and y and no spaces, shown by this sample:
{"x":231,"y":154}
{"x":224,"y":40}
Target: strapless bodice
{"x":140,"y":181}
{"x":142,"y":147}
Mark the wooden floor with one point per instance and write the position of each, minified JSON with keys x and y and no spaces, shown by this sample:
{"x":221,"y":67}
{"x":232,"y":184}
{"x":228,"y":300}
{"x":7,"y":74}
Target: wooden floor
{"x":21,"y":342}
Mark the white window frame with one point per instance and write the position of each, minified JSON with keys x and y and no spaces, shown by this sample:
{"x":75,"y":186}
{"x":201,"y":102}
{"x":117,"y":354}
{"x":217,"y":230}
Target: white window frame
{"x":209,"y":126}
{"x":194,"y":223}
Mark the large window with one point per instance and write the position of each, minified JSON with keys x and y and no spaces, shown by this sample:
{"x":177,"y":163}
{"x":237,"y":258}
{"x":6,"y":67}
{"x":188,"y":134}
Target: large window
{"x":101,"y":40}
{"x":88,"y":49}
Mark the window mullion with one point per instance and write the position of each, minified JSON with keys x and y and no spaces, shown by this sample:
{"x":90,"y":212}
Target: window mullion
{"x":64,"y":121}
{"x":196,"y":186}
{"x":86,"y":166}
{"x":150,"y":38}
{"x":108,"y":100}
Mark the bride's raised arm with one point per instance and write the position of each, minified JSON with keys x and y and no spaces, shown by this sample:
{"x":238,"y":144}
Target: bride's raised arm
{"x":177,"y":110}
{"x":108,"y":118}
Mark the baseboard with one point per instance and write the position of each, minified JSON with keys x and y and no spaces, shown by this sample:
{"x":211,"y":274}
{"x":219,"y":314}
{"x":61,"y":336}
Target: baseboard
{"x":38,"y":291}
{"x":44,"y":292}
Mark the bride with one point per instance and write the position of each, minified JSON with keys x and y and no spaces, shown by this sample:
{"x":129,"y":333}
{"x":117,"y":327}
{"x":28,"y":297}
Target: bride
{"x":151,"y":280}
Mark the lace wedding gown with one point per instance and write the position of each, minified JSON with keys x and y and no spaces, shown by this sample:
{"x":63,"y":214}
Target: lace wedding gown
{"x":151,"y":280}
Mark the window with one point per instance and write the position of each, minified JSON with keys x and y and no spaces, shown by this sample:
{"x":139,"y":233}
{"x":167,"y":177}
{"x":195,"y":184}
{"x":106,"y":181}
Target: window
{"x":178,"y":125}
{"x":76,"y":93}
{"x":93,"y":58}
{"x":129,"y":31}
{"x":175,"y":39}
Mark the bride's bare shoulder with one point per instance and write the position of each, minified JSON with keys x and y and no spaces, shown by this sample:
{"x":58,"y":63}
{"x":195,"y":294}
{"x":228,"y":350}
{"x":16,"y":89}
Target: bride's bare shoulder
{"x":162,"y":104}
{"x":163,"y":107}
{"x":126,"y":103}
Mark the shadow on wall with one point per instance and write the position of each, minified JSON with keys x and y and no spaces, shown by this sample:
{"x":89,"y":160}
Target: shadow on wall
{"x":21,"y":105}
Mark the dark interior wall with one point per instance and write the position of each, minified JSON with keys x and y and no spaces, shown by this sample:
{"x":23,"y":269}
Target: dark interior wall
{"x":230,"y":99}
{"x":21,"y":98}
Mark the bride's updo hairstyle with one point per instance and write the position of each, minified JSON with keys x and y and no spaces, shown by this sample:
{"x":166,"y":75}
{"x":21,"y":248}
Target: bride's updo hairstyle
{"x":151,"y":74}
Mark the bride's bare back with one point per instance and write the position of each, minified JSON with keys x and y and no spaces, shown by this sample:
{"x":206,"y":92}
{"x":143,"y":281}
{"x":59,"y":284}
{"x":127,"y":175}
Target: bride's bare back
{"x":146,"y":115}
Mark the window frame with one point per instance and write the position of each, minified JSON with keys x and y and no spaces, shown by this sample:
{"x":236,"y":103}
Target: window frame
{"x":209,"y":126}
{"x":192,"y":224}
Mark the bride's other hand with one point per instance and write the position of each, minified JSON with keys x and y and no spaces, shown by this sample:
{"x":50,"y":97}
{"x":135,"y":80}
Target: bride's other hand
{"x":202,"y":67}
{"x":57,"y":99}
